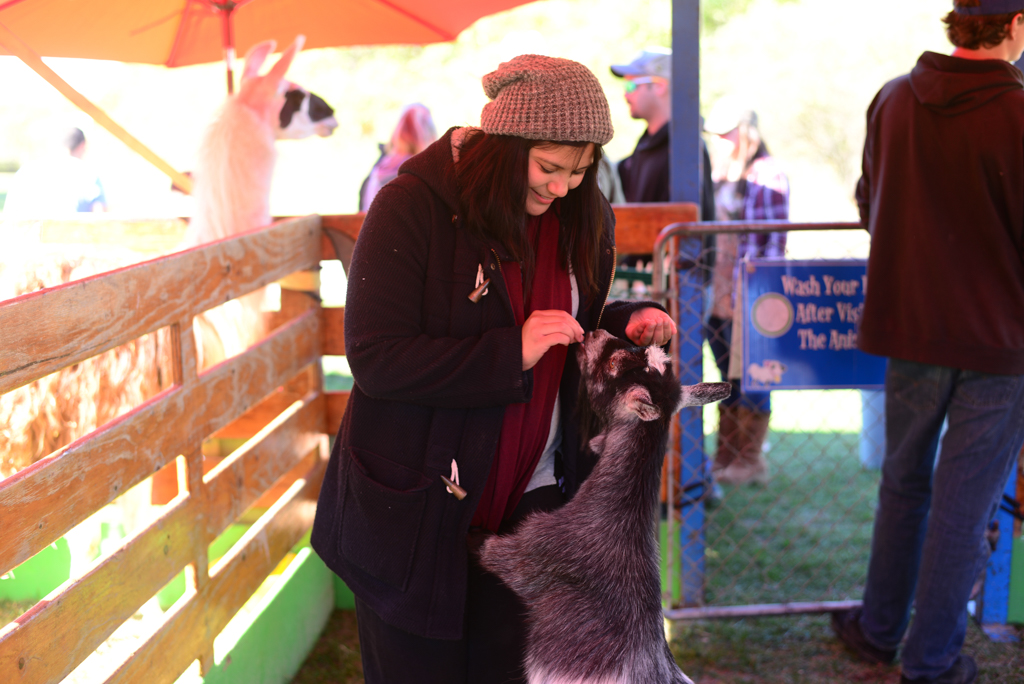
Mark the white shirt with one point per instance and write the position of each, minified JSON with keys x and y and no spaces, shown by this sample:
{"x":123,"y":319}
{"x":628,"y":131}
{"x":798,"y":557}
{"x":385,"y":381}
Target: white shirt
{"x":544,"y":473}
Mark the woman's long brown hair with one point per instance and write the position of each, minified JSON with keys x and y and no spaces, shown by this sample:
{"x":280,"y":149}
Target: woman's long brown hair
{"x":492,"y":174}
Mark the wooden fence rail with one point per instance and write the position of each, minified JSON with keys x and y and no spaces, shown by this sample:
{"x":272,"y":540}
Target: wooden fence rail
{"x":271,"y":396}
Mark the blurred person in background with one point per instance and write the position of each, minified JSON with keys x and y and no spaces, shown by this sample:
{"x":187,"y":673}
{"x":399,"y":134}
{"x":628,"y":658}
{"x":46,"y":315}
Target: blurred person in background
{"x":940,"y":193}
{"x":59,"y":184}
{"x":645,"y":173}
{"x":414,"y":132}
{"x":749,"y":186}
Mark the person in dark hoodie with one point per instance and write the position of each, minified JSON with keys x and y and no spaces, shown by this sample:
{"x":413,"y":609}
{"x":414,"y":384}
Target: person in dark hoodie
{"x":475,"y":270}
{"x":941,"y":194}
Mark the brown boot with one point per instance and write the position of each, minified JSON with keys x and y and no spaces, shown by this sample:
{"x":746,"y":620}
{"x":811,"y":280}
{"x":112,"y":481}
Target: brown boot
{"x":728,"y":442}
{"x":750,"y":464}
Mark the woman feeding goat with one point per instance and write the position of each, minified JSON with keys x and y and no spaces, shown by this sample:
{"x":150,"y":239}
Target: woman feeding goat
{"x":476,"y":268}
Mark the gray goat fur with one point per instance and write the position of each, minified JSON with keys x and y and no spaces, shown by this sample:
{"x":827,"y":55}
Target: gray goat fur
{"x":588,"y":572}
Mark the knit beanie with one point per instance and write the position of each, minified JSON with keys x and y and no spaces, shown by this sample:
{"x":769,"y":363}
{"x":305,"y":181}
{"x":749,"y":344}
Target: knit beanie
{"x":546,"y":98}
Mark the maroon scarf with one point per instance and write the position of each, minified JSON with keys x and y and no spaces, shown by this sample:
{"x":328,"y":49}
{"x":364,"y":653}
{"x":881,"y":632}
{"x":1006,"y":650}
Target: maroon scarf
{"x":524,"y":431}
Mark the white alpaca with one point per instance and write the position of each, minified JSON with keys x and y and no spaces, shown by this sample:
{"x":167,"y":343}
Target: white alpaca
{"x":232,"y":188}
{"x":232,"y":180}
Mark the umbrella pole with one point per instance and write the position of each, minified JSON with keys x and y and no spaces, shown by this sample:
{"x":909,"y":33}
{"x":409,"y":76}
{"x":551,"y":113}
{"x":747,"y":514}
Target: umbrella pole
{"x":228,"y":39}
{"x":16,"y":47}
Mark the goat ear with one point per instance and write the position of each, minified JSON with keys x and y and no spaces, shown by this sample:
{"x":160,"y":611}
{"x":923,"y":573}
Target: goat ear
{"x":638,"y":401}
{"x":255,"y":58}
{"x":277,"y":72}
{"x":704,"y":393}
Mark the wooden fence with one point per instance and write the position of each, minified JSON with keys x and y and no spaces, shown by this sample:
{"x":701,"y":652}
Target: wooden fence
{"x":272,"y":395}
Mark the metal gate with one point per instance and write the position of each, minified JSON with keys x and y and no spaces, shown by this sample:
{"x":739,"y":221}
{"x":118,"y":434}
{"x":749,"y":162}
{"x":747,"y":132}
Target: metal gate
{"x":800,"y":542}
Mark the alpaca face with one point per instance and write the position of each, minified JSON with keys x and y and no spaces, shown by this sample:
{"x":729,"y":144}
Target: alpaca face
{"x":289,"y":109}
{"x":304,"y":114}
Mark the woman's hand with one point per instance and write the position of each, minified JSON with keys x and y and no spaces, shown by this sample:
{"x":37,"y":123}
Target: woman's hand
{"x":650,"y":326}
{"x":545,"y":329}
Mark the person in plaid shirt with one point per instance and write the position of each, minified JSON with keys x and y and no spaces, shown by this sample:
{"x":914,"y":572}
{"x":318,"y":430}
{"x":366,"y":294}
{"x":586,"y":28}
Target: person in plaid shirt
{"x":749,"y":186}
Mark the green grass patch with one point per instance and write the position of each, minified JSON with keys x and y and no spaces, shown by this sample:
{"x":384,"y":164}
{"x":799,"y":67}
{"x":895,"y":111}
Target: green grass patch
{"x":805,"y":536}
{"x":335,"y":658}
{"x":801,"y":649}
{"x":11,"y":610}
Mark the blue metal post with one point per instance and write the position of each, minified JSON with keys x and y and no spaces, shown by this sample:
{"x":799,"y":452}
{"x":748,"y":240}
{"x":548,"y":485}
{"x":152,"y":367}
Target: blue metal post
{"x":995,"y":600}
{"x":685,"y":176}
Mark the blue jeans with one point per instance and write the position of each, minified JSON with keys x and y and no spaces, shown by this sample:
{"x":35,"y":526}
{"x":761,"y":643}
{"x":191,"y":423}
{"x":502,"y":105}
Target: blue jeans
{"x":929,"y":529}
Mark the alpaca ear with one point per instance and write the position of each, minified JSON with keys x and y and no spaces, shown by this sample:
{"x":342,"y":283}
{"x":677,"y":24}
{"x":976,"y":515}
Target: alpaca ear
{"x":277,"y":72}
{"x":255,"y":58}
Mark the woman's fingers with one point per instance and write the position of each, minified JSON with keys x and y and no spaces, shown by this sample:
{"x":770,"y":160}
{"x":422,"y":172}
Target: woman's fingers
{"x":662,"y":332}
{"x":545,"y":329}
{"x":556,"y":321}
{"x":650,"y":326}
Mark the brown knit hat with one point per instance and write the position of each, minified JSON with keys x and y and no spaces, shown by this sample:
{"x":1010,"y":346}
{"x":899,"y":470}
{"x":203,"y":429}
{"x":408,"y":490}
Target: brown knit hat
{"x":546,"y":98}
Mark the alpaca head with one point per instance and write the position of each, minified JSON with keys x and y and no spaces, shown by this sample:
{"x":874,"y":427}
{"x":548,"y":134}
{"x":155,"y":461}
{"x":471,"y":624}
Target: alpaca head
{"x":621,"y":381}
{"x":304,"y":114}
{"x":289,"y":109}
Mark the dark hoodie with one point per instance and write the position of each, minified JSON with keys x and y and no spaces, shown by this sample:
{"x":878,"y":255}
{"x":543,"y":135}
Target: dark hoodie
{"x":433,"y":373}
{"x":942,"y":194}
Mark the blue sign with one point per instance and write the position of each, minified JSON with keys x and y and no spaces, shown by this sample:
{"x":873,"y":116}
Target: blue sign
{"x":800,"y":326}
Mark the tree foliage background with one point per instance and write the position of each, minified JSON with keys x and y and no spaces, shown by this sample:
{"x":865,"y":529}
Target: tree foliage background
{"x":809,"y":67}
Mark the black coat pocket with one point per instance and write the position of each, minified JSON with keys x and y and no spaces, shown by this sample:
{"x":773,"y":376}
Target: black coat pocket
{"x":381,"y":524}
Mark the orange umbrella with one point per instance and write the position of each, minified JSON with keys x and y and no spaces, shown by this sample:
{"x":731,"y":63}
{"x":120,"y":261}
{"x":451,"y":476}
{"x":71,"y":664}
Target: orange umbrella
{"x":182,"y":32}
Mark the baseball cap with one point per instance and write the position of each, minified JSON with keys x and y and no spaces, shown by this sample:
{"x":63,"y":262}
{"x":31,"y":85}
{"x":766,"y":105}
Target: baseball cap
{"x":727,"y":114}
{"x":654,"y":61}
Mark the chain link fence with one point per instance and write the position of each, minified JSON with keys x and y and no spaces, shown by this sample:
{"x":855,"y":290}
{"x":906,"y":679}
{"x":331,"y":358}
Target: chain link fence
{"x":774,"y":497}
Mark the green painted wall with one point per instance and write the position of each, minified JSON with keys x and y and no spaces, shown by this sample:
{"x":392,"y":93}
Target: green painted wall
{"x":1015,"y":613}
{"x":39,"y":575}
{"x":344,"y":599}
{"x":175,"y":589}
{"x":271,"y":648}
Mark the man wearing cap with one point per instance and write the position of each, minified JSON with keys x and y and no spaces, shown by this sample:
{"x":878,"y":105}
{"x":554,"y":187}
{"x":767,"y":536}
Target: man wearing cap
{"x":941,"y":195}
{"x":645,"y":173}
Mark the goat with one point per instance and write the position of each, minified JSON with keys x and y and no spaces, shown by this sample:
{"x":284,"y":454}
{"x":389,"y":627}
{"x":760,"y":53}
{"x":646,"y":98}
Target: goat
{"x":589,"y":572}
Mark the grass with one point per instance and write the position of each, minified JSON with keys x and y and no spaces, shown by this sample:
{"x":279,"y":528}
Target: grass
{"x":802,"y":650}
{"x":804,"y":536}
{"x":11,"y":610}
{"x":335,"y":658}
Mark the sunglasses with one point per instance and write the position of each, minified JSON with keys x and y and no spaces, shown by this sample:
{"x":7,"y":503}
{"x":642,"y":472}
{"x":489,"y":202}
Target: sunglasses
{"x":632,"y":83}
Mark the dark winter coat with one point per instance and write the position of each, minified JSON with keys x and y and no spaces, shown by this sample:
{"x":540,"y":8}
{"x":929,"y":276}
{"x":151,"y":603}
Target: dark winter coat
{"x":645,"y":173}
{"x":943,"y":196}
{"x":433,"y":373}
